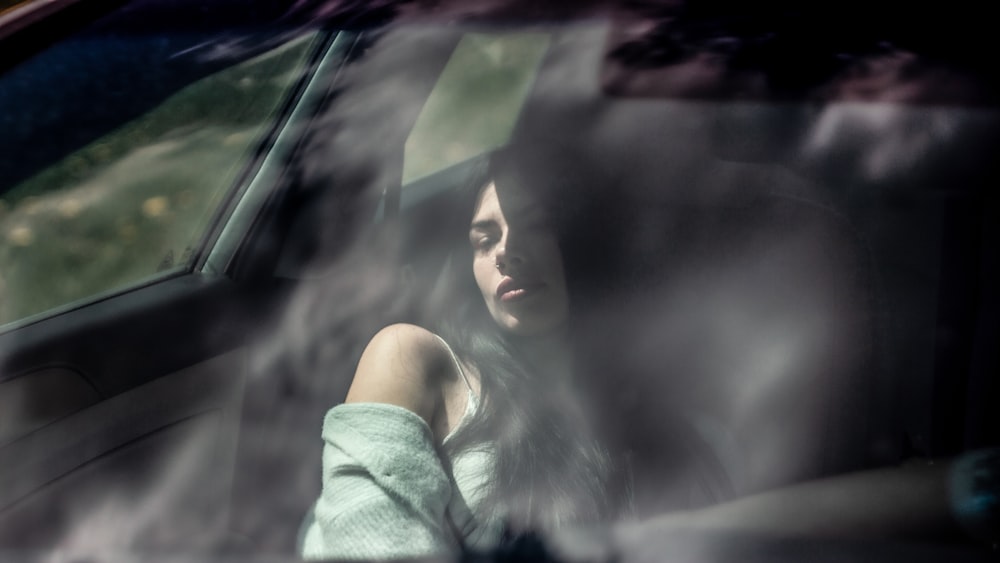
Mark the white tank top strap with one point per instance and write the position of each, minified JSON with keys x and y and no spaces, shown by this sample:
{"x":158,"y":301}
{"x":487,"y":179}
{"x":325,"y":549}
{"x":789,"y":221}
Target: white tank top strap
{"x":473,"y":403}
{"x":458,"y":365}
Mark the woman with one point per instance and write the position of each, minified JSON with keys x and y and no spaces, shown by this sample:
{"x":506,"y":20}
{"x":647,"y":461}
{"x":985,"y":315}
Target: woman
{"x":450,"y":441}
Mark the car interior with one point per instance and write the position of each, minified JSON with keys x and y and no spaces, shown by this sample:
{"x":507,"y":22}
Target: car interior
{"x":797,"y":288}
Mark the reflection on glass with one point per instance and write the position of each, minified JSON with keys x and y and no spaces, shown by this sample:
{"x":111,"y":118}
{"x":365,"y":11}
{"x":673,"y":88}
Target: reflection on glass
{"x":476,"y":101}
{"x":137,"y":201}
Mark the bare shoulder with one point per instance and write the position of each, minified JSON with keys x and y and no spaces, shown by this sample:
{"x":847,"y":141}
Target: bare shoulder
{"x":415,"y":348}
{"x":402,"y":365}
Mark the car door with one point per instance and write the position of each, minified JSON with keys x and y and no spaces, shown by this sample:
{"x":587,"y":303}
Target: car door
{"x":136,"y":166}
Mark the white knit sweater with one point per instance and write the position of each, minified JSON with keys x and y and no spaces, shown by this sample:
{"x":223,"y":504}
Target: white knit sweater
{"x":387,"y":494}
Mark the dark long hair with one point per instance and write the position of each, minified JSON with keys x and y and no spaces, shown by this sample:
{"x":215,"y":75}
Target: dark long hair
{"x":551,"y":465}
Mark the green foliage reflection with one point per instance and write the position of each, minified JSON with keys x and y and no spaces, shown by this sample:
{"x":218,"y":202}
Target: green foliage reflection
{"x":137,"y":202}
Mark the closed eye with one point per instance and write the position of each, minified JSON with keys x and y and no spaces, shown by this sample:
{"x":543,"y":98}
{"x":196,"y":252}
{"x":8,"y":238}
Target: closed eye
{"x":483,"y":234}
{"x":482,"y":241}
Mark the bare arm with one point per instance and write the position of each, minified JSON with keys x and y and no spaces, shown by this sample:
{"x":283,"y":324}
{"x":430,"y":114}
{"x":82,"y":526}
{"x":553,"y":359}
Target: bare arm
{"x":407,"y":366}
{"x":395,"y":368}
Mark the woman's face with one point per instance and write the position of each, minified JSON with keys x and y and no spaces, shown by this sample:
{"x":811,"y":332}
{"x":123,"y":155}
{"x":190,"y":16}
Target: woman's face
{"x":517,"y":263}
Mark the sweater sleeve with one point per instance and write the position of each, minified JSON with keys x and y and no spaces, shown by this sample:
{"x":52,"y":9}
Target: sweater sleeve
{"x":385,"y":490}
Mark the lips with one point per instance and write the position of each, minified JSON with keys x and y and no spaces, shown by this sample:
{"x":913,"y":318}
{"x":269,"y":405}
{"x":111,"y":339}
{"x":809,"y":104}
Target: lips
{"x":511,"y":289}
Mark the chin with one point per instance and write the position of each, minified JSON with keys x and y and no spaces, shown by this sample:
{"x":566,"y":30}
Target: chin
{"x":532,"y":327}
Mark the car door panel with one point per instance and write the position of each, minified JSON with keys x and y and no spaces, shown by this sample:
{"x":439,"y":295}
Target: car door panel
{"x":168,"y":390}
{"x":35,"y":399}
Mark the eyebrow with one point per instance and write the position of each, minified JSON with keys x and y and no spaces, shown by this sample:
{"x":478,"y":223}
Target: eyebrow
{"x":483,"y":225}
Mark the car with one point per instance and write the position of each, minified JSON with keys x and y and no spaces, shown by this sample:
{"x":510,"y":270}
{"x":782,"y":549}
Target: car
{"x":208,"y":208}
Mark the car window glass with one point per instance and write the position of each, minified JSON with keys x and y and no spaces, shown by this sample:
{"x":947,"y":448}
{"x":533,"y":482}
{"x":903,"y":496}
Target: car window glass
{"x":134,"y":203}
{"x":476,"y":101}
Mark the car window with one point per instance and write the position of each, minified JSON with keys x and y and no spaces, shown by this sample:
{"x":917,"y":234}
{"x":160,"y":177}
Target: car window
{"x":134,"y":203}
{"x":476,"y":101}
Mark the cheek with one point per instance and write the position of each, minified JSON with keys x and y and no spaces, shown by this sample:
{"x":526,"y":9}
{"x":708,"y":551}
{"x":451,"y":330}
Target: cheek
{"x":483,"y":272}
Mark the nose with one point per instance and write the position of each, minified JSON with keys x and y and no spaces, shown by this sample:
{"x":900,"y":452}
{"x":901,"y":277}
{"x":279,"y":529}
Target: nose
{"x":508,"y":255}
